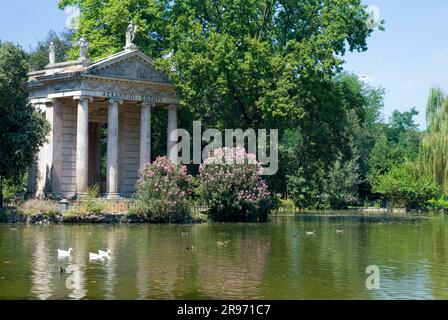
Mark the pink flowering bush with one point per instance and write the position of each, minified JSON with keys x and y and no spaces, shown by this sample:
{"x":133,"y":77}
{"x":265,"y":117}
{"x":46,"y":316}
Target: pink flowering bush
{"x":163,"y":191}
{"x":230,"y":185}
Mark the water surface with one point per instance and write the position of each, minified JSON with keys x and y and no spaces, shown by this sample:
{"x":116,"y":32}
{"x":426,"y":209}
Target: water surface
{"x":274,"y":260}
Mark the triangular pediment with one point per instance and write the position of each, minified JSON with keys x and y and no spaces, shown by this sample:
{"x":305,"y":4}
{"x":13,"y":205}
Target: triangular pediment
{"x":133,"y":65}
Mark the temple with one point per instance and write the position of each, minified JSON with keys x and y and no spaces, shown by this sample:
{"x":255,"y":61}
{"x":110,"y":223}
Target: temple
{"x":81,"y":97}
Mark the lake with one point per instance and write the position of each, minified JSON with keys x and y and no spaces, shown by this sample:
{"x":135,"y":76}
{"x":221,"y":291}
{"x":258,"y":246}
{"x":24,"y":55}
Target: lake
{"x":274,"y":260}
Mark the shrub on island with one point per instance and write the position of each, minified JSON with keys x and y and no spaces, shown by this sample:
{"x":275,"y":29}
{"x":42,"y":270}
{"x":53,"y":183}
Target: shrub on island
{"x":163,"y":191}
{"x":231,"y":187}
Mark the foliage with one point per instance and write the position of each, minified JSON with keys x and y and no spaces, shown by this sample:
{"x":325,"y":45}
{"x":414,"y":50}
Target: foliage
{"x":396,"y":142}
{"x":287,"y":205}
{"x":254,"y":63}
{"x":35,"y":206}
{"x":94,"y":191}
{"x":163,"y":191}
{"x":251,"y":58}
{"x":351,"y":129}
{"x":230,"y":185}
{"x":440,"y":203}
{"x":22,"y":128}
{"x":334,"y":187}
{"x":14,"y":188}
{"x":432,"y":159}
{"x":405,"y":189}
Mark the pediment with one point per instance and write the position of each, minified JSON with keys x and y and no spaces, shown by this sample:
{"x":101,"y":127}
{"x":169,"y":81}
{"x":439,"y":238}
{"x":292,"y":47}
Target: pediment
{"x":130,"y":66}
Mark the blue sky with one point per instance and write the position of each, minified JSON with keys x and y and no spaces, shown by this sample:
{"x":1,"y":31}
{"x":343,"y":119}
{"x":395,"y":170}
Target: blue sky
{"x":406,"y":59}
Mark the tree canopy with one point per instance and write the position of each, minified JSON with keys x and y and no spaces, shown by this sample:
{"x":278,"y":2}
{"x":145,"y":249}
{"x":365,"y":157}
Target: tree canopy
{"x":22,"y":129}
{"x":235,"y":61}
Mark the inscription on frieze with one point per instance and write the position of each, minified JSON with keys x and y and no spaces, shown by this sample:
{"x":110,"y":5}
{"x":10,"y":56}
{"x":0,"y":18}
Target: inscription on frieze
{"x":127,"y":96}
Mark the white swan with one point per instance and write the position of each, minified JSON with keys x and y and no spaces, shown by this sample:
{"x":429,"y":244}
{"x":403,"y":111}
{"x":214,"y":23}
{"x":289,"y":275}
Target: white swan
{"x":64,"y":253}
{"x":104,"y":254}
{"x":311,"y":233}
{"x":95,"y":257}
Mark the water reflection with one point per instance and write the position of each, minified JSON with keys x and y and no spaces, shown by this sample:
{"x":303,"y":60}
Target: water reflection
{"x":42,"y":276}
{"x":276,"y":260}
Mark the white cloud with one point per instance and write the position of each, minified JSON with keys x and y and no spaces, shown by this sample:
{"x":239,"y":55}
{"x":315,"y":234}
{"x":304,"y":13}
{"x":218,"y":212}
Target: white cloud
{"x":72,"y":20}
{"x":375,"y":15}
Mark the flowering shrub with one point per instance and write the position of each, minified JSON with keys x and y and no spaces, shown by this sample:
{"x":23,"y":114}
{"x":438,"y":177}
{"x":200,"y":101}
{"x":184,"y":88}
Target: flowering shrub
{"x":163,"y":191}
{"x":232,"y":188}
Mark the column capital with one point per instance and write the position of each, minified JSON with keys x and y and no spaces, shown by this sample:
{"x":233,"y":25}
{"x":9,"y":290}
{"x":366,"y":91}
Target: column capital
{"x":114,"y":100}
{"x":49,"y":101}
{"x":173,"y":106}
{"x":83,"y":97}
{"x":150,"y":104}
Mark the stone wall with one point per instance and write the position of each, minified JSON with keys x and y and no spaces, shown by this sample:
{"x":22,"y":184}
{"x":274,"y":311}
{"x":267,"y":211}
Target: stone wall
{"x":129,"y":153}
{"x":68,"y":176}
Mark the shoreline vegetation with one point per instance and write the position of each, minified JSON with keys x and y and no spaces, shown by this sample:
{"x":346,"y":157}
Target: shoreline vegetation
{"x":43,"y":212}
{"x":336,"y":150}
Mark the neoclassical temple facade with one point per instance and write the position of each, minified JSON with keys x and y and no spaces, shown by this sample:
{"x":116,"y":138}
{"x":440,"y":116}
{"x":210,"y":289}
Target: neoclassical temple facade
{"x":78,"y":98}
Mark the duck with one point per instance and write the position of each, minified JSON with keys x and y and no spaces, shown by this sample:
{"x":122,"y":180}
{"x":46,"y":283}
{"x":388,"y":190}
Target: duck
{"x":189,"y":247}
{"x":339,"y":231}
{"x":311,"y":233}
{"x":95,"y":257}
{"x":64,"y":253}
{"x":104,"y":254}
{"x":222,"y":243}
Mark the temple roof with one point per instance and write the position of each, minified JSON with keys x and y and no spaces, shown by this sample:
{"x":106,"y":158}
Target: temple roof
{"x":125,"y":65}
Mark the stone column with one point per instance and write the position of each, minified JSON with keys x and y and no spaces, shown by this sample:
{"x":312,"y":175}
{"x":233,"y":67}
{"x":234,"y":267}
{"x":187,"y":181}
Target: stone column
{"x":112,"y":150}
{"x":82,"y":145}
{"x":145,"y":133}
{"x":58,"y":127}
{"x":172,"y":126}
{"x":45,"y":156}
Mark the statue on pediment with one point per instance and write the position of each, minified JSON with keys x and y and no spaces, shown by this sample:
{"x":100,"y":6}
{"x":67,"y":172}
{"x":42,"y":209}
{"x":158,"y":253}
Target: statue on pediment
{"x":52,"y":53}
{"x":130,"y":36}
{"x":83,"y":48}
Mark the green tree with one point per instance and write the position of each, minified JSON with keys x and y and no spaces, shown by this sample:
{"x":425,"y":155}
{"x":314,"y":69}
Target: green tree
{"x":396,"y":142}
{"x":404,"y":188}
{"x":22,"y":129}
{"x":251,"y":63}
{"x":432,"y":158}
{"x":236,"y":62}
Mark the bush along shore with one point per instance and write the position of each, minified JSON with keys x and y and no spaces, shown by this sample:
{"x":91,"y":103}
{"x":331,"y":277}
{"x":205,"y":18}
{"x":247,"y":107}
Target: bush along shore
{"x":222,"y":192}
{"x":14,"y":215}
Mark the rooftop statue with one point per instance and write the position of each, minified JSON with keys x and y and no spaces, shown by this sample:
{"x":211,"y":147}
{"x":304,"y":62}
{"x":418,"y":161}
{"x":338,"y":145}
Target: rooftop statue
{"x":83,"y":48}
{"x":130,"y":36}
{"x":52,"y":53}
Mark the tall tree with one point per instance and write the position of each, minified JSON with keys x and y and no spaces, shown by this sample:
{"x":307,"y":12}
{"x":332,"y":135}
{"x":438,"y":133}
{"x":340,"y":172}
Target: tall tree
{"x":22,"y":128}
{"x":235,"y":62}
{"x":433,"y":154}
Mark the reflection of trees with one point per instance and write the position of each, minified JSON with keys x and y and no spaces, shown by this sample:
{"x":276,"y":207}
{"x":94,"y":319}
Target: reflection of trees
{"x":78,"y":258}
{"x":275,"y":260}
{"x":41,"y":271}
{"x":235,"y":271}
{"x":163,"y":263}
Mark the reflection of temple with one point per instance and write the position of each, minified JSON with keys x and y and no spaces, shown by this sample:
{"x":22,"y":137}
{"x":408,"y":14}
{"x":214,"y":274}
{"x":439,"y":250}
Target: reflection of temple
{"x":41,"y":272}
{"x":79,"y":99}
